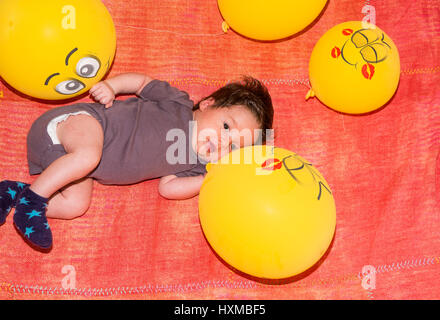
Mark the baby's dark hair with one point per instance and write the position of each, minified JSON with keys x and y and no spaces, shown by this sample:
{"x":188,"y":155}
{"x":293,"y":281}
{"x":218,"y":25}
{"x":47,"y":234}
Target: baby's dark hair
{"x":250,"y":93}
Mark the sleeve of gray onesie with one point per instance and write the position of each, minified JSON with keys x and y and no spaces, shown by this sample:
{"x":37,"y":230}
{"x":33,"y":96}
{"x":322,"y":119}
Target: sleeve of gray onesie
{"x":157,"y":90}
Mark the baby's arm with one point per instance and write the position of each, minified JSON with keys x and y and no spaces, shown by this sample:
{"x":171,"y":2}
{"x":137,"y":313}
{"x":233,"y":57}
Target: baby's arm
{"x":126,"y":83}
{"x":179,"y":188}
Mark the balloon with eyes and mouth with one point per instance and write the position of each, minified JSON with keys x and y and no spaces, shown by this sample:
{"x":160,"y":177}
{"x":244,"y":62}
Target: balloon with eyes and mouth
{"x":267,"y":211}
{"x":55,"y":49}
{"x":354,"y":68}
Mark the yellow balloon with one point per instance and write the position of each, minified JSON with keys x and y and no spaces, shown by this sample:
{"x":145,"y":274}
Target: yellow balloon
{"x":55,"y":49}
{"x":354,"y":68}
{"x":267,"y":212}
{"x":269,"y":20}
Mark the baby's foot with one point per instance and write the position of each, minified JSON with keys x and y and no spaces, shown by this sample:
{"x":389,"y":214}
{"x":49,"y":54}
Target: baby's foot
{"x":9,"y":191}
{"x":30,"y":219}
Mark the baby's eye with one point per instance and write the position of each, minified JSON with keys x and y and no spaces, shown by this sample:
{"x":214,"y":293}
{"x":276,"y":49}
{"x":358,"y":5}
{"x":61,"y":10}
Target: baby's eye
{"x":233,"y":147}
{"x":225,"y":126}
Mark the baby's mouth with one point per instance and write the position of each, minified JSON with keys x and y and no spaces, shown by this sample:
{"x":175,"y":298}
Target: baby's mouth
{"x":210,"y":148}
{"x":206,"y":148}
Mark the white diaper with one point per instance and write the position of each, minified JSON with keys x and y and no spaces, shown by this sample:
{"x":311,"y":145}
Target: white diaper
{"x":52,"y":125}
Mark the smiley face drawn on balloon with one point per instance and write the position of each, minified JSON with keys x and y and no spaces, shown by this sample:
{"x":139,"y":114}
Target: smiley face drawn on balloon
{"x":84,"y":67}
{"x":271,"y":164}
{"x":366,"y":47}
{"x":55,"y":49}
{"x":295,"y":165}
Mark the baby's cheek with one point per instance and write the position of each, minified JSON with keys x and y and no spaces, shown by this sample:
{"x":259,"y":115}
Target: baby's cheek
{"x":222,"y":151}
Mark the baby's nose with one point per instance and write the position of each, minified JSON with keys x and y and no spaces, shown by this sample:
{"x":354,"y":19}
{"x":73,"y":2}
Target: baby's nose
{"x":225,"y":141}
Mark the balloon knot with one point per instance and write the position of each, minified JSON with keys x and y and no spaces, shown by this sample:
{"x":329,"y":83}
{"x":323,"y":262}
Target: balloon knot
{"x":225,"y":27}
{"x":310,"y":94}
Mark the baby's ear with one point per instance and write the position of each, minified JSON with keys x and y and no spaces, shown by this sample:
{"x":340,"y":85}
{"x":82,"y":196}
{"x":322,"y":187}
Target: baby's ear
{"x":206,"y":103}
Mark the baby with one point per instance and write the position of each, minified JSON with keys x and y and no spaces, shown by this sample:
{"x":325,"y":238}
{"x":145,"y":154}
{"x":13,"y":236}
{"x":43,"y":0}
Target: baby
{"x":126,"y":142}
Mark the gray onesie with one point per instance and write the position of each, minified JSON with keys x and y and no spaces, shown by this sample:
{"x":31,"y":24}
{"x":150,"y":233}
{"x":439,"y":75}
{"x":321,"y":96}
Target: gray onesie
{"x":135,"y":136}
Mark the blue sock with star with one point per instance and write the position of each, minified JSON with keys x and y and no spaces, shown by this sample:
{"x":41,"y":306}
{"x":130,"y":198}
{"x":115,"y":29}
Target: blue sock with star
{"x":30,"y":218}
{"x":9,"y":191}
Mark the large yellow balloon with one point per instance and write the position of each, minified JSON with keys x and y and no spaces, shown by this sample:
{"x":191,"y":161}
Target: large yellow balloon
{"x":354,"y":68}
{"x":267,"y":212}
{"x":55,"y":49}
{"x":269,"y":20}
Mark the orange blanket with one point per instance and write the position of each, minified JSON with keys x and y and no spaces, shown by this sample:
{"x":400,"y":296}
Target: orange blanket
{"x":383,"y":168}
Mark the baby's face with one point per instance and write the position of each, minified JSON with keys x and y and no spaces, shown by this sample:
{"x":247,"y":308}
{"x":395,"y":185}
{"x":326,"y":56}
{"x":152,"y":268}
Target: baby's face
{"x":221,"y":130}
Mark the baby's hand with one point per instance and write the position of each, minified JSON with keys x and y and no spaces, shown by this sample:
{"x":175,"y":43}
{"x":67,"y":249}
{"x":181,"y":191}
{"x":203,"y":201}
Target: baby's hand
{"x":103,"y":93}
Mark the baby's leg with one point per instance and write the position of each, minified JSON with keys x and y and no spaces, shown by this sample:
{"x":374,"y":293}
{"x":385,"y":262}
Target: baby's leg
{"x":82,"y":139}
{"x":71,"y":201}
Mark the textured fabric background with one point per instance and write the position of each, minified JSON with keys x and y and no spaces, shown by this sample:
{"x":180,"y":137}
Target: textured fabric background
{"x":383,"y":168}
